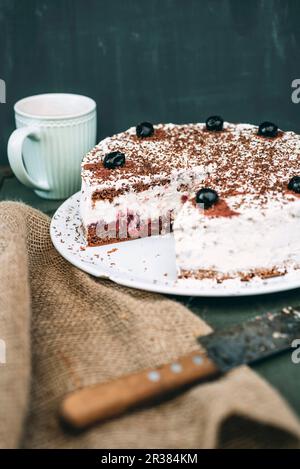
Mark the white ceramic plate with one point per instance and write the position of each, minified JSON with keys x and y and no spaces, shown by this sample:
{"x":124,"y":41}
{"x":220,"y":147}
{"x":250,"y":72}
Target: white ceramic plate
{"x":147,"y":263}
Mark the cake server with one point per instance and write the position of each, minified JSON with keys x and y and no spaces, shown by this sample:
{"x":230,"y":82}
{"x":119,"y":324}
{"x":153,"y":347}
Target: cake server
{"x":254,"y":340}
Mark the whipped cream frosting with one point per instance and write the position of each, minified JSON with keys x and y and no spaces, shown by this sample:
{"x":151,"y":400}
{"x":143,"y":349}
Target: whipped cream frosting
{"x":257,"y":239}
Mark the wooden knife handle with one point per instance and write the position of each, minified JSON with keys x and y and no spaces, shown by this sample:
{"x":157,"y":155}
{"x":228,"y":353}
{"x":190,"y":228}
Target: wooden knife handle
{"x":102,"y":401}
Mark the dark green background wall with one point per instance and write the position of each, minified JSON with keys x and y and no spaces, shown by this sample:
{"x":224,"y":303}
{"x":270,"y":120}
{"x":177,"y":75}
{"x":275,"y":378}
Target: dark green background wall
{"x":159,"y":60}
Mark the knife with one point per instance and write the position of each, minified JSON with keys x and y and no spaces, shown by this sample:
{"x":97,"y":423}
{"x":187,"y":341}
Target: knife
{"x":246,"y":343}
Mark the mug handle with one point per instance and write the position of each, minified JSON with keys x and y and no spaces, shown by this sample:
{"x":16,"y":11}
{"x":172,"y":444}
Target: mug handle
{"x":15,"y":156}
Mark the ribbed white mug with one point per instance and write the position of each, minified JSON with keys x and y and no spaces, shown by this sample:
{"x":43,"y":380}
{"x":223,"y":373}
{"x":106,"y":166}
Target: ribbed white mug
{"x":54,"y":132}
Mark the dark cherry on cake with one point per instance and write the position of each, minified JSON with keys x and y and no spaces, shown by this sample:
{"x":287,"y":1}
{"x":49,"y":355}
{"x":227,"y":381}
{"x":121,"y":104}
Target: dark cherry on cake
{"x":206,"y":196}
{"x":144,"y":130}
{"x":294,"y":184}
{"x":268,"y":129}
{"x":214,"y":123}
{"x":113,"y":160}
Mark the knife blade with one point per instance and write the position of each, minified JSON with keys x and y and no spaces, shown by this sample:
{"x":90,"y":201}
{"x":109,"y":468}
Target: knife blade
{"x":246,"y":343}
{"x":254,"y":340}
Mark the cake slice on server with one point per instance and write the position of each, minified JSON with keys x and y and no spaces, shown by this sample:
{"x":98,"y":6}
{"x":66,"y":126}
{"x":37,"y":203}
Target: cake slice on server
{"x":229,"y":191}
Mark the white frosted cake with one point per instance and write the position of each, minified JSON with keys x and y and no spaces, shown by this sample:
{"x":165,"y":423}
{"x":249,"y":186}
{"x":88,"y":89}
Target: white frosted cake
{"x":230,"y":193}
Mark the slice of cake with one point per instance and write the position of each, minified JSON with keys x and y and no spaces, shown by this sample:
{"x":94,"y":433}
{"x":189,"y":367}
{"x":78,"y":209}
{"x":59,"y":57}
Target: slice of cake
{"x":132,"y":183}
{"x":229,"y":191}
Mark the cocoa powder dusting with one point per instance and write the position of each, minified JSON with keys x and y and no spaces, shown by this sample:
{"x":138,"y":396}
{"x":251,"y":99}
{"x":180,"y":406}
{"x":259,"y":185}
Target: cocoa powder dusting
{"x":220,"y":209}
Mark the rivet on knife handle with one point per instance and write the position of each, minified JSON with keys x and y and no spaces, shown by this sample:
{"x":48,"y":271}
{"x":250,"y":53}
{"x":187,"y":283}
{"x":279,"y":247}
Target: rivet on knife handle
{"x":102,"y":401}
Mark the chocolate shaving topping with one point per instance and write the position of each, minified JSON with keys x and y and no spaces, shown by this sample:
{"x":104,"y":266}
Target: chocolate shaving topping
{"x":244,"y":163}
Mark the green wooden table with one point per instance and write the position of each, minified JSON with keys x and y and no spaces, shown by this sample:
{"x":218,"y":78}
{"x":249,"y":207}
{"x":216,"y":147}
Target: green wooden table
{"x":218,"y":312}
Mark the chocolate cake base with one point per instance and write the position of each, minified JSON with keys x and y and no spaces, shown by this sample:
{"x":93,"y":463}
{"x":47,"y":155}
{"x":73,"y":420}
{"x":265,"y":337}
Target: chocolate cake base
{"x":105,"y":235}
{"x":243,"y":276}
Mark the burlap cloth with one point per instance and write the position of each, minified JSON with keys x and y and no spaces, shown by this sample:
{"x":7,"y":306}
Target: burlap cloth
{"x":64,"y":329}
